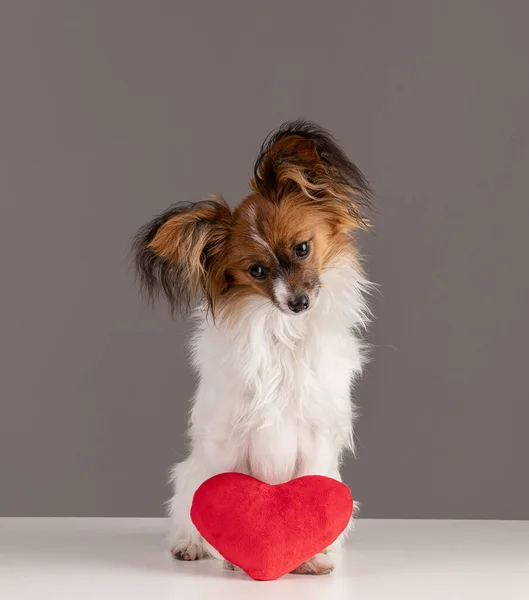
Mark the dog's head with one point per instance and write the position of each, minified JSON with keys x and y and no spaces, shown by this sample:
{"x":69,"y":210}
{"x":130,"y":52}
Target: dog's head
{"x":307,"y":198}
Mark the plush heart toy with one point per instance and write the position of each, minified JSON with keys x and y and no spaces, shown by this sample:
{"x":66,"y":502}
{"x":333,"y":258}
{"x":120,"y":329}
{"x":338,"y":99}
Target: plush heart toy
{"x":269,"y":530}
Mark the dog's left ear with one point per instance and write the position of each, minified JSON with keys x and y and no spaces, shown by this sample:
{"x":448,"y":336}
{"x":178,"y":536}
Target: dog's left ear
{"x":302,"y":157}
{"x":177,"y":254}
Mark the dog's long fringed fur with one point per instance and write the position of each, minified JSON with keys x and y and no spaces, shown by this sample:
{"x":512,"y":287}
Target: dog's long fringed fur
{"x":278,"y":296}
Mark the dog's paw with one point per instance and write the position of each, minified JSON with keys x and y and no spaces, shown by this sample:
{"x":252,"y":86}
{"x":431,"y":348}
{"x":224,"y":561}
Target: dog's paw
{"x":188,"y":550}
{"x":230,"y":566}
{"x":321,"y":564}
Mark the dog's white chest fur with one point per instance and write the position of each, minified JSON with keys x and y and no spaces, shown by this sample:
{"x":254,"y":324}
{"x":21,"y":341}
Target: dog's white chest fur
{"x":274,"y":394}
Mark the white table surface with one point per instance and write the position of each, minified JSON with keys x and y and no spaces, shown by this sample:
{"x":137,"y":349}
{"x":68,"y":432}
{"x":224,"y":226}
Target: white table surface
{"x":81,"y":559}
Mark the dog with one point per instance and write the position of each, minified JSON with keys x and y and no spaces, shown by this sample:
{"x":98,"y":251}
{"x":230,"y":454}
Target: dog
{"x":278,"y":295}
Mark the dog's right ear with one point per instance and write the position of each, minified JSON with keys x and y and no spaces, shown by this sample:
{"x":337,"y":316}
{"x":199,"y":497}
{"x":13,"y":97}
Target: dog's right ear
{"x":177,"y":254}
{"x":303,"y":156}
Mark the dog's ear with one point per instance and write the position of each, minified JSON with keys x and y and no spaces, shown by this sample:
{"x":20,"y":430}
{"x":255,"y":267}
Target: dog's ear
{"x":177,"y":254}
{"x":301,"y":156}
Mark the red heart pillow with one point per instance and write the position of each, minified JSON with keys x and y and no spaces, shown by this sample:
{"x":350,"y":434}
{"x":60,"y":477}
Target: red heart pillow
{"x":269,"y":530}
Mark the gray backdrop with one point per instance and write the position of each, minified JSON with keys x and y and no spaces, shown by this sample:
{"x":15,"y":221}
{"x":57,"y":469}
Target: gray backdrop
{"x":112,"y":110}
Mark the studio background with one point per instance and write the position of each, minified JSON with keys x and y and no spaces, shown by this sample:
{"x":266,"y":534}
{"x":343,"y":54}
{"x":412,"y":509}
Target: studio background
{"x":112,"y":110}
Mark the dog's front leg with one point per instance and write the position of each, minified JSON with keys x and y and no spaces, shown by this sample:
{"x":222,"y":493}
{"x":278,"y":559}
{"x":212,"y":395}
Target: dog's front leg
{"x":319,"y":455}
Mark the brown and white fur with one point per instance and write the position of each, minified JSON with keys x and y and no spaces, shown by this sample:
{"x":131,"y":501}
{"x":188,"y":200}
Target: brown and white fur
{"x":277,"y":293}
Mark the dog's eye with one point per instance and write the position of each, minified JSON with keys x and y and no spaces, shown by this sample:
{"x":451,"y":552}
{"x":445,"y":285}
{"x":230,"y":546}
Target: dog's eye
{"x":258,"y":271}
{"x":302,"y":250}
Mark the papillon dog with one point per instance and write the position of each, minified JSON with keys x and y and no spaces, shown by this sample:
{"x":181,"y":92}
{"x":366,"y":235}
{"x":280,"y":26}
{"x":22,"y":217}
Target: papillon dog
{"x":278,"y":294}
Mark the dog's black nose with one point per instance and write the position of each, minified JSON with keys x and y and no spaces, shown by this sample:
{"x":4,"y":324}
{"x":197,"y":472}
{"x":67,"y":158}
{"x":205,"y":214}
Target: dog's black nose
{"x":298,"y":303}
